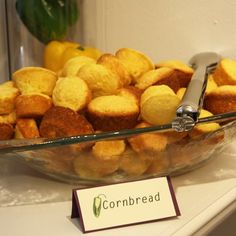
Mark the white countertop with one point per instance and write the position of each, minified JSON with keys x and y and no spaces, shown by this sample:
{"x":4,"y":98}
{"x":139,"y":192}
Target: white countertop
{"x":205,"y":196}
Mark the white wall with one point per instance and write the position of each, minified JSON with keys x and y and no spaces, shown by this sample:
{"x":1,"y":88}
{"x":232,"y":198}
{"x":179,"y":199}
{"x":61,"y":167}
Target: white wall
{"x":163,"y":29}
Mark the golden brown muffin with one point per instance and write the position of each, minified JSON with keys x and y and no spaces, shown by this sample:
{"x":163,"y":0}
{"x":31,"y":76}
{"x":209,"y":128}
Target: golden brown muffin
{"x":63,"y":122}
{"x":73,"y":65}
{"x":181,"y":156}
{"x":174,"y":136}
{"x":201,"y":129}
{"x":183,"y":72}
{"x":26,"y":128}
{"x":101,"y":80}
{"x":8,"y":94}
{"x":158,"y":104}
{"x":183,"y":78}
{"x":180,"y":93}
{"x":115,"y":65}
{"x":131,"y":93}
{"x":133,"y":164}
{"x":160,"y":164}
{"x":58,"y":160}
{"x":9,"y":118}
{"x":211,"y":84}
{"x":176,"y":65}
{"x":112,"y":112}
{"x":221,"y":100}
{"x":32,"y":105}
{"x":6,"y":131}
{"x":89,"y":167}
{"x":134,"y":61}
{"x":225,"y":73}
{"x":164,"y":75}
{"x":150,"y":143}
{"x":35,"y":80}
{"x":108,"y":150}
{"x":71,"y":92}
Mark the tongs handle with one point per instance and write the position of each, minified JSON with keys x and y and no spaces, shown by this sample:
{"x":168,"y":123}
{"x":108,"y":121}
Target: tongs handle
{"x":187,"y":112}
{"x":193,"y":98}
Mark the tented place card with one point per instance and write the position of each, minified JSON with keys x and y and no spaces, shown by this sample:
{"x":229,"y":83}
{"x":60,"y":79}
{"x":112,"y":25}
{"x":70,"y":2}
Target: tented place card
{"x":124,"y":204}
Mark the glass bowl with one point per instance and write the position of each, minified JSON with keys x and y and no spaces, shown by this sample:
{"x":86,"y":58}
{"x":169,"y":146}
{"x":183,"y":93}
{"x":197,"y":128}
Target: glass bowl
{"x":64,"y":160}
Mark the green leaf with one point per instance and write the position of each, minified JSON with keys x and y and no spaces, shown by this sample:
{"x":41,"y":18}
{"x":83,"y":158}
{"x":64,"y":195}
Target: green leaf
{"x":97,"y":203}
{"x":48,"y":19}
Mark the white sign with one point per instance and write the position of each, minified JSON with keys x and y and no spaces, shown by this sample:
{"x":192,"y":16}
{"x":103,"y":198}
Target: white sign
{"x":124,"y":204}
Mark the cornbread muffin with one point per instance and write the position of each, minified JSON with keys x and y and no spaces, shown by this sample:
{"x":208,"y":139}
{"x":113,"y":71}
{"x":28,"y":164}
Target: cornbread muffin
{"x":158,"y":105}
{"x":73,"y":65}
{"x":201,"y":129}
{"x":180,"y":93}
{"x":35,"y":80}
{"x":225,"y":73}
{"x":181,"y":156}
{"x":154,"y":76}
{"x":26,"y":128}
{"x":6,"y":131}
{"x":108,"y":150}
{"x":32,"y":105}
{"x":71,"y":92}
{"x":56,"y":160}
{"x":8,"y":84}
{"x":63,"y":122}
{"x":9,"y":118}
{"x":160,"y":164}
{"x":108,"y":113}
{"x":176,"y":65}
{"x":115,"y":65}
{"x":182,"y":71}
{"x":8,"y":94}
{"x":131,"y":93}
{"x":174,"y":136}
{"x":221,"y":100}
{"x":133,"y":164}
{"x":211,"y":84}
{"x":101,"y":80}
{"x":150,"y":143}
{"x":182,"y":78}
{"x":134,"y":61}
{"x":89,"y":167}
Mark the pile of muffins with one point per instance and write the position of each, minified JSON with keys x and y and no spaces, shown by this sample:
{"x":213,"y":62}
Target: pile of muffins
{"x":121,"y":91}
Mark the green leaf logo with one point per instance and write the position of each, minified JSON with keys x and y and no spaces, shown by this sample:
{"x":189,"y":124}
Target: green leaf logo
{"x":97,"y":205}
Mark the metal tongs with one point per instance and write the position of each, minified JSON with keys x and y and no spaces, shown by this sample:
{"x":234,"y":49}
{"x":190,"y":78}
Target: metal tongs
{"x":188,"y":111}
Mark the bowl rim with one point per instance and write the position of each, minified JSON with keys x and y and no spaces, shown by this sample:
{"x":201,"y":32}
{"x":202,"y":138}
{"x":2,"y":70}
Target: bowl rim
{"x":21,"y":145}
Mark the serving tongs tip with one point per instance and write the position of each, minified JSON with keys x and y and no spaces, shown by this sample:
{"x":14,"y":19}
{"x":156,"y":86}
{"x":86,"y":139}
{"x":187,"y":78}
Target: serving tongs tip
{"x":189,"y":108}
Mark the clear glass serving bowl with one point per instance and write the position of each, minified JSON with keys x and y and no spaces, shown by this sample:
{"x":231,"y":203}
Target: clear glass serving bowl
{"x":62,"y":159}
